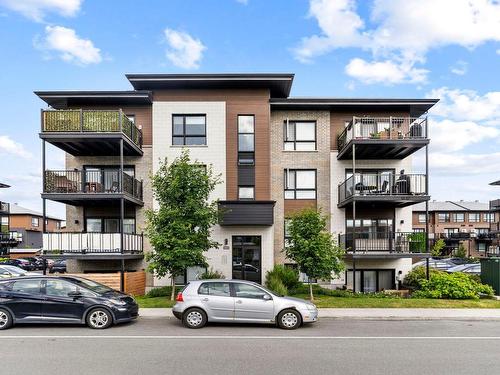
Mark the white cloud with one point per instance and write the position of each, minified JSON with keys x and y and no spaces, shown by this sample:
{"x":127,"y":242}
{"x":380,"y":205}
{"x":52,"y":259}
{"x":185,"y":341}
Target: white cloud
{"x":37,"y":9}
{"x":498,"y":51}
{"x":244,"y":2}
{"x":184,"y":51}
{"x":10,"y":147}
{"x":402,"y":31}
{"x":467,"y":105}
{"x":386,"y":72}
{"x":69,"y":46}
{"x":459,"y":68}
{"x":464,"y":163}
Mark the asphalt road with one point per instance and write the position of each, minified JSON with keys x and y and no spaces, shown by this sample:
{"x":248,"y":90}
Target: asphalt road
{"x":163,"y":346}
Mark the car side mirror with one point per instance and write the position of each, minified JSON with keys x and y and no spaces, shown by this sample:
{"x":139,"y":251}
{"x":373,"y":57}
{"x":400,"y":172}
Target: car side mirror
{"x":267,"y":297}
{"x":74,"y":295}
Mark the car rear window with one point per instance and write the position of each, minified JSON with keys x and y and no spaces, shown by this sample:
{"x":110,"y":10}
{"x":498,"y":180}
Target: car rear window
{"x":215,"y":289}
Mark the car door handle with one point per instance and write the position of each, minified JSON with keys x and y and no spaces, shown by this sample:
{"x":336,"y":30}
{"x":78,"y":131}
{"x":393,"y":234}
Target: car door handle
{"x":205,"y":299}
{"x":239,"y":301}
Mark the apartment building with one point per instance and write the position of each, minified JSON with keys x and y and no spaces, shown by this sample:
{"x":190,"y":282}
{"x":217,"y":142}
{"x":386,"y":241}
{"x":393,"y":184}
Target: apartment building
{"x":457,"y":223}
{"x":350,"y":158}
{"x":494,"y":247}
{"x":7,"y":242}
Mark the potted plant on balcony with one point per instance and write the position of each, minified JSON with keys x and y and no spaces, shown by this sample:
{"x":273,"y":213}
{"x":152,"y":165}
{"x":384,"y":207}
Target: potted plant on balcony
{"x":375,"y":135}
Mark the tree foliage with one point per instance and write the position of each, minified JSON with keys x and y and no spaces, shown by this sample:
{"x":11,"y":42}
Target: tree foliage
{"x":438,"y":247}
{"x":179,"y":230}
{"x":312,"y":247}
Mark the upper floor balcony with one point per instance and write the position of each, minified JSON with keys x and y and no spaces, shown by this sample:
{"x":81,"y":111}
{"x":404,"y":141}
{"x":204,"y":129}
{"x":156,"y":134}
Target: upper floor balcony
{"x":495,"y":205}
{"x":4,"y":208}
{"x":77,"y":187}
{"x":382,"y":137}
{"x":399,"y":190}
{"x":82,"y":132}
{"x":8,"y":240}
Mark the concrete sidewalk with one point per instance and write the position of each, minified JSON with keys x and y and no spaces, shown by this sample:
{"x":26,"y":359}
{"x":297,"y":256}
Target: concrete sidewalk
{"x":395,"y":313}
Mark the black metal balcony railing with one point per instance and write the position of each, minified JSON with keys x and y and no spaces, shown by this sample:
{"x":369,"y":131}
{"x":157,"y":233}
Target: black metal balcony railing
{"x":495,"y":205}
{"x":458,"y":236}
{"x":384,"y":184}
{"x":383,"y":128}
{"x":90,"y":121}
{"x":91,"y":182}
{"x":384,"y":242}
{"x":8,"y":240}
{"x":92,"y":243}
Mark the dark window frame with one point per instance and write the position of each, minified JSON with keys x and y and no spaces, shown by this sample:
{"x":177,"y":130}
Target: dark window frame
{"x":295,"y":189}
{"x":241,"y":153}
{"x":447,"y":218}
{"x":362,"y":276}
{"x":454,"y":217}
{"x":295,"y":141}
{"x":478,"y":214}
{"x":184,"y":135}
{"x":34,"y":220}
{"x":102,"y":218}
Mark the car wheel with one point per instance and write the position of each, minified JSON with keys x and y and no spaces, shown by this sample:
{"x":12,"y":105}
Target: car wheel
{"x":289,"y":319}
{"x":194,"y":318}
{"x":5,"y":319}
{"x":99,"y":318}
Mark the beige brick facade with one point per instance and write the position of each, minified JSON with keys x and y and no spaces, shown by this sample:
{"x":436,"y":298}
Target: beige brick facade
{"x":281,"y":160}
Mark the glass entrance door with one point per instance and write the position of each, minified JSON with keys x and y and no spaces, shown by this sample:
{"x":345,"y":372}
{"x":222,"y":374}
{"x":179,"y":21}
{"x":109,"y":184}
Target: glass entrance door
{"x":247,"y":258}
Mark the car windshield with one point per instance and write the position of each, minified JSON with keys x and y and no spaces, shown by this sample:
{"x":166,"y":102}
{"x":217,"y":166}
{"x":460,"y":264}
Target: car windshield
{"x":14,"y":270}
{"x":91,"y":285}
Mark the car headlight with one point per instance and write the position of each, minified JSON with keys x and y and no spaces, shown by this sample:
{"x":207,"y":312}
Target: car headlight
{"x":311,"y":307}
{"x":117,"y":302}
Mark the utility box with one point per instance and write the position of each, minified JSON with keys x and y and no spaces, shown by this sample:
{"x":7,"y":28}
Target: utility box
{"x":490,"y":273}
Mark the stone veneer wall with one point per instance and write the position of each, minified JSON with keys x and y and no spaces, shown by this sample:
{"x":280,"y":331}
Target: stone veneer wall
{"x":281,"y":160}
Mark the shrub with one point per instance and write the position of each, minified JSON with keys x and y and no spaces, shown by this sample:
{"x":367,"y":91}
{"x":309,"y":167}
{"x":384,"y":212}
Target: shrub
{"x":211,"y":274}
{"x":438,"y":247}
{"x":454,"y":285}
{"x":288,"y":276}
{"x":461,"y":252}
{"x":275,"y":284}
{"x":417,"y":242}
{"x":164,"y":291}
{"x":414,"y":278}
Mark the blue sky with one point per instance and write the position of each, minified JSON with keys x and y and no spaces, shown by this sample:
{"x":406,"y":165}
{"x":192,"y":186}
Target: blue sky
{"x":338,"y":48}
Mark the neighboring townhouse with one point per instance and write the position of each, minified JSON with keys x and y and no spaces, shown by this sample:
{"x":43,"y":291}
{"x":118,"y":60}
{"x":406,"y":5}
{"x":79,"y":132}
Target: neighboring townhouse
{"x":277,"y":155}
{"x":494,"y":248}
{"x":7,"y":241}
{"x":457,"y":223}
{"x":26,"y":226}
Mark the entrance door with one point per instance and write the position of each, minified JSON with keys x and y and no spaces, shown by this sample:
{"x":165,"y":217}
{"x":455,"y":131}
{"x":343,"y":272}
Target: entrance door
{"x":247,"y":258}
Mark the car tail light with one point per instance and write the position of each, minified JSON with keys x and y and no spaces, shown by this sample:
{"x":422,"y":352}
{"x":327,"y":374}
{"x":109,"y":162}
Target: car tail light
{"x":179,"y":297}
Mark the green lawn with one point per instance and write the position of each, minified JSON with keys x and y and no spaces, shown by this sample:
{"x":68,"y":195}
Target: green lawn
{"x":360,"y":302}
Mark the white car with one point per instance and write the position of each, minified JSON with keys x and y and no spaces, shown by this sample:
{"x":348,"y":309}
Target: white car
{"x":13,"y":271}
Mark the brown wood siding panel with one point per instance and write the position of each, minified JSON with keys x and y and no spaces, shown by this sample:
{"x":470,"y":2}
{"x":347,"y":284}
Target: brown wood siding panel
{"x":238,"y":102}
{"x":293,"y":206}
{"x":338,"y":119}
{"x":135,"y":282}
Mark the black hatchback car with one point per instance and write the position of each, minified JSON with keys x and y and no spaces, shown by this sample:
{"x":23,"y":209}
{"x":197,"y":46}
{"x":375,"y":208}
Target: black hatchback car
{"x":63,"y":299}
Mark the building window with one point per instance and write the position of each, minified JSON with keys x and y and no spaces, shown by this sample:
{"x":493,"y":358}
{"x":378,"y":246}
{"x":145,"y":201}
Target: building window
{"x":474,"y":217}
{"x":246,"y":192}
{"x":131,"y":117}
{"x":483,"y":230}
{"x":300,"y":184}
{"x":189,"y":130}
{"x":58,"y":225}
{"x":246,"y":140}
{"x":444,"y":217}
{"x":418,"y":230}
{"x":35,"y":222}
{"x":421,"y":218}
{"x":109,"y":225}
{"x":481,"y":246}
{"x":449,"y":231}
{"x":459,"y":217}
{"x":300,"y":135}
{"x":489,"y":217}
{"x":370,"y":228}
{"x":286,"y":232}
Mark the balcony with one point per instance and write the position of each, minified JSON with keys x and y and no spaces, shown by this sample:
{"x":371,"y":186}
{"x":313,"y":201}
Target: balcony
{"x":91,"y":132}
{"x":4,"y":208}
{"x":384,"y":244}
{"x":8,"y":240}
{"x":495,"y":205}
{"x":454,"y":237}
{"x":76,"y":187}
{"x":246,"y":213}
{"x":399,"y":190}
{"x":92,"y":246}
{"x":382,"y":137}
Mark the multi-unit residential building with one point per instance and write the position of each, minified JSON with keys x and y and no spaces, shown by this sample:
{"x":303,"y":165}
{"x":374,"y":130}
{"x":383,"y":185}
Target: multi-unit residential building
{"x":349,"y":158}
{"x":494,"y":248}
{"x":7,"y":241}
{"x":457,"y":223}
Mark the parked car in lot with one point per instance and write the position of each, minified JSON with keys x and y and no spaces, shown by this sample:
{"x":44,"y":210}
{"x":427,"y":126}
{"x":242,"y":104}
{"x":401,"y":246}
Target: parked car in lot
{"x":63,"y":299}
{"x":21,"y":263}
{"x":37,"y":262}
{"x":437,"y":263}
{"x":59,"y":266}
{"x":238,"y":301}
{"x":469,"y":268}
{"x":13,"y":271}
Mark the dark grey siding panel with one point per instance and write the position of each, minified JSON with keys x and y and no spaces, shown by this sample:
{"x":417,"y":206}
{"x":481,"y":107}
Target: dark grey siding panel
{"x":246,"y":175}
{"x":247,"y":213}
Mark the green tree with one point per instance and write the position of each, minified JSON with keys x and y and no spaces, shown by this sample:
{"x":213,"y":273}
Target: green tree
{"x":312,"y":247}
{"x":438,"y":247}
{"x":461,"y":252}
{"x":179,"y":230}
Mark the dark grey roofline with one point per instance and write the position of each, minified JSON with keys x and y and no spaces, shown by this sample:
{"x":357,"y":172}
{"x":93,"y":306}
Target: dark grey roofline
{"x":495,"y":183}
{"x":350,"y":101}
{"x":279,"y":84}
{"x":4,"y":185}
{"x":63,"y":99}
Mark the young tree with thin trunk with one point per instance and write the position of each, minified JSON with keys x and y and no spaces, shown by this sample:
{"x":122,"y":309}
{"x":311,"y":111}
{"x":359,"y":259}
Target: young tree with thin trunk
{"x":313,"y":248}
{"x":179,"y":230}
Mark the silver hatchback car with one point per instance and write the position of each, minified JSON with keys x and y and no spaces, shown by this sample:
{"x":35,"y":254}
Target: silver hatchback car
{"x":239,"y":301}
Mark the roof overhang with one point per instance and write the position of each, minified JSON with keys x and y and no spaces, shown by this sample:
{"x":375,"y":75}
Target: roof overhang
{"x":495,"y":183}
{"x":415,"y":107}
{"x":65,"y":99}
{"x":279,"y":84}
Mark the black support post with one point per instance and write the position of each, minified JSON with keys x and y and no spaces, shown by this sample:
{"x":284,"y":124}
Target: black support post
{"x":354,"y":218}
{"x":427,"y":239}
{"x":122,"y":216}
{"x":44,"y":203}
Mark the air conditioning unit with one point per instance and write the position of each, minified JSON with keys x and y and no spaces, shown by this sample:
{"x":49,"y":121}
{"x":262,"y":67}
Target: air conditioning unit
{"x":463,"y":230}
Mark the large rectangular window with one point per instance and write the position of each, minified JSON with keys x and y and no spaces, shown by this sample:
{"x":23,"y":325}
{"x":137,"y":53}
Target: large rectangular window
{"x":459,"y":217}
{"x":35,"y":222}
{"x":110,"y":225}
{"x":246,"y":192}
{"x":189,"y":130}
{"x":489,"y":217}
{"x":246,"y":140}
{"x":474,"y":217}
{"x":421,"y":218}
{"x":299,"y":135}
{"x":300,"y":183}
{"x":444,"y":217}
